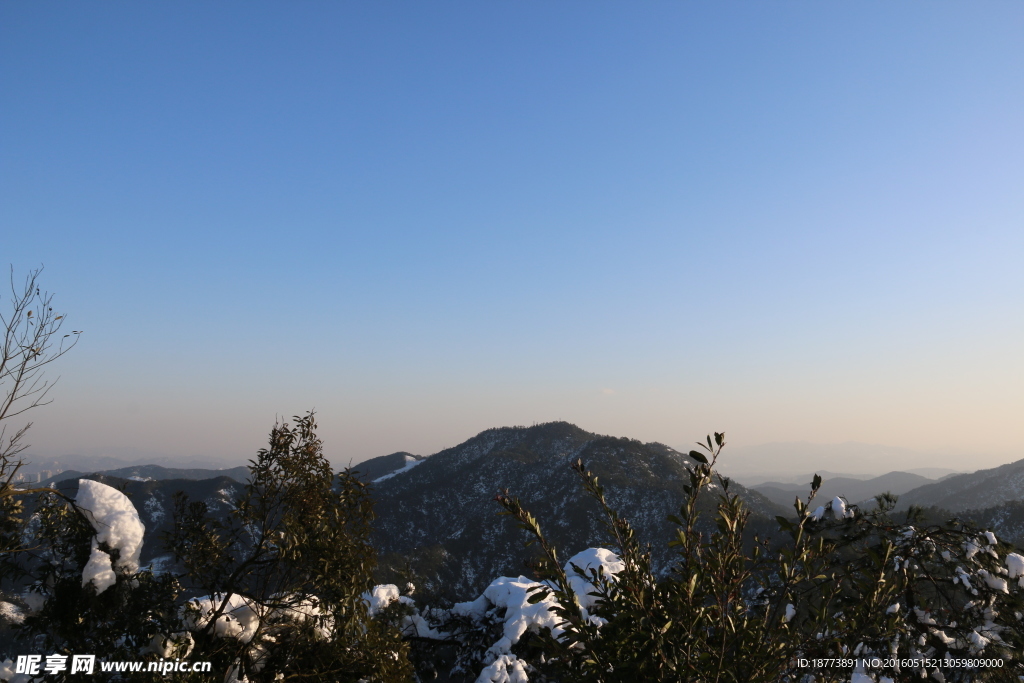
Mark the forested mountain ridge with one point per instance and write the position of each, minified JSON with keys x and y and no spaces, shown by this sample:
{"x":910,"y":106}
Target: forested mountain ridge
{"x":974,"y":491}
{"x":441,"y":516}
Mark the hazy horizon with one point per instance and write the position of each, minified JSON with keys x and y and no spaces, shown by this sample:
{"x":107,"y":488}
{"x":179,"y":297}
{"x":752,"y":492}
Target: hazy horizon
{"x":788,"y":222}
{"x":753,"y":463}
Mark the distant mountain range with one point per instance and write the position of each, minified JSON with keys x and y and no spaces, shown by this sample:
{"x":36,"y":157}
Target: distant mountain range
{"x":929,"y":473}
{"x":37,"y":469}
{"x":854,"y":490}
{"x":780,"y":461}
{"x":157,"y":473}
{"x":438,"y":521}
{"x":974,"y":491}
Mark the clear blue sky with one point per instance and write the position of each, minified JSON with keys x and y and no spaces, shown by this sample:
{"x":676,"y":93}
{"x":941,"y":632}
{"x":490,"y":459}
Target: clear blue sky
{"x":782,"y":220}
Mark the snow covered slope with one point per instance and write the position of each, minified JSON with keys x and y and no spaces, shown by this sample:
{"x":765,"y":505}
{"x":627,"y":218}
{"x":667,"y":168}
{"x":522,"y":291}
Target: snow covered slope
{"x":386,"y":465}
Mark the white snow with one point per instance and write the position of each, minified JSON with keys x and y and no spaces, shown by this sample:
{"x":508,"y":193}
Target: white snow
{"x":409,"y":464}
{"x":380,"y":597}
{"x":963,"y":577}
{"x":592,"y":558}
{"x":115,"y":520}
{"x":838,"y":508}
{"x":991,"y":538}
{"x":98,"y":570}
{"x":512,"y":595}
{"x":893,"y":608}
{"x":11,"y":613}
{"x":416,"y":625}
{"x":924,"y":617}
{"x":241,"y":616}
{"x":790,"y":613}
{"x":155,"y":509}
{"x":7,"y":673}
{"x":504,"y":669}
{"x":1015,"y":565}
{"x":977,"y":640}
{"x":818,"y":513}
{"x":238,"y":619}
{"x":994,"y":582}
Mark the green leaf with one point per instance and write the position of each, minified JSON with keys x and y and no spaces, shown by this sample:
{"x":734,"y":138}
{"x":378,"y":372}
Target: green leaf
{"x":699,"y":457}
{"x":539,"y":596}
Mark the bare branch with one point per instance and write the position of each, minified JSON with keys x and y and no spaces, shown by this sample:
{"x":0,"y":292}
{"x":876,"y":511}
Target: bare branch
{"x":31,"y":340}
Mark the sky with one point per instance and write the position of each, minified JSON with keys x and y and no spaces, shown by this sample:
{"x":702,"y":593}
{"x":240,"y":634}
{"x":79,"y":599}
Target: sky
{"x":787,"y":221}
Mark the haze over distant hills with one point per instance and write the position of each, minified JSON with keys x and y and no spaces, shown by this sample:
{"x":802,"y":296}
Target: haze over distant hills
{"x":782,"y":461}
{"x":787,"y":463}
{"x":854,"y":490}
{"x":37,"y":468}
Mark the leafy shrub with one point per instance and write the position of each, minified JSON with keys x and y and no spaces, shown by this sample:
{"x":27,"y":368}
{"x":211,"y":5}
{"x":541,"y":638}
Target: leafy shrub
{"x":276,"y":592}
{"x":847,"y":585}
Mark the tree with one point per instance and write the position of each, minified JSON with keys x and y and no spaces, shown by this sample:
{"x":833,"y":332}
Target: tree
{"x":285,"y":576}
{"x":280,"y":586}
{"x":32,"y":340}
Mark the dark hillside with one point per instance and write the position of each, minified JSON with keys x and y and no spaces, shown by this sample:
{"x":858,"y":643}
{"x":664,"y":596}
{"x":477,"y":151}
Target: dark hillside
{"x":442,"y":512}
